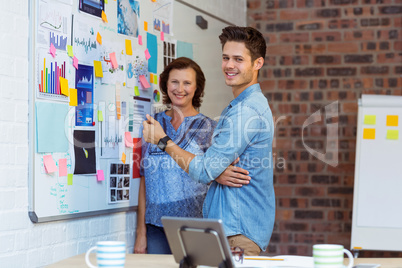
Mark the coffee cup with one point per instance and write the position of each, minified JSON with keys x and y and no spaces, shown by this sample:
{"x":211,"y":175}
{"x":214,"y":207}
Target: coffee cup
{"x":111,"y":254}
{"x":330,"y":256}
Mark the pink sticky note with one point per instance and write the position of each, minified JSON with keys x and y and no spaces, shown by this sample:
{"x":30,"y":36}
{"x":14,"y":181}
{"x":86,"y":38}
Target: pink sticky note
{"x":144,"y":82}
{"x":62,"y":167}
{"x":50,"y":165}
{"x":147,"y":55}
{"x":100,"y":176}
{"x":140,"y":39}
{"x":75,"y":62}
{"x":113,"y":60}
{"x":52,"y":50}
{"x":128,"y":140}
{"x":162,"y":36}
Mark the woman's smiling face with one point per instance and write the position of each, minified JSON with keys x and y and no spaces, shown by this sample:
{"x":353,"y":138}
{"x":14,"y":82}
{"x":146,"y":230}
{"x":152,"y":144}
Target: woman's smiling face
{"x":181,"y":87}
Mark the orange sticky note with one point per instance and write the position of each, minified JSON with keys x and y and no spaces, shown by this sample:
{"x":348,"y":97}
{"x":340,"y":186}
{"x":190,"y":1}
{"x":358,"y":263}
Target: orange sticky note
{"x":144,"y":82}
{"x":73,"y":97}
{"x":100,"y":176}
{"x":50,"y":165}
{"x":145,"y":26}
{"x":104,"y":18}
{"x":123,"y":158}
{"x":369,"y":133}
{"x":151,"y":78}
{"x":62,"y":167}
{"x":128,"y":140}
{"x":392,"y":120}
{"x":63,"y":86}
{"x":113,"y":60}
{"x":98,"y":68}
{"x":99,"y":38}
{"x":140,"y":39}
{"x":129,"y":49}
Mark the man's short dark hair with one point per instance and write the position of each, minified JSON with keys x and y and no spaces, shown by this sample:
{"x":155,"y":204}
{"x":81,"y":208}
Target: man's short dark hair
{"x":252,"y":38}
{"x":180,"y":64}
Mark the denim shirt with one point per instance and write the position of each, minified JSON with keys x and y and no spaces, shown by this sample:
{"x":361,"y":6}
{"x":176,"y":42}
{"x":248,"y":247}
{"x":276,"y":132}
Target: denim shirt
{"x":245,"y":129}
{"x":169,"y":189}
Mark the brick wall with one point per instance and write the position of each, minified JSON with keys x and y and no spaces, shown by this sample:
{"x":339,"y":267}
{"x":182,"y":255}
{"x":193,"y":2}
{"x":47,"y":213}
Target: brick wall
{"x":321,"y":52}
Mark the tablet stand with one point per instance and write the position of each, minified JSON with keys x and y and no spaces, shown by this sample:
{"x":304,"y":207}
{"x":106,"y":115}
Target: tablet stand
{"x":186,"y":261}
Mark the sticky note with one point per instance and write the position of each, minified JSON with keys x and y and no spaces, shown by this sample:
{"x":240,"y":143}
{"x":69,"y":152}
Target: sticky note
{"x":136,"y":91}
{"x":147,"y":55}
{"x":70,"y":179}
{"x":113,"y":60}
{"x":99,"y":175}
{"x":123,"y":158}
{"x":73,"y":97}
{"x":369,"y":119}
{"x":151,"y":77}
{"x":63,"y":85}
{"x":98,"y":68}
{"x":50,"y":165}
{"x":392,"y":134}
{"x":162,"y":36}
{"x":104,"y":18}
{"x":140,"y":39}
{"x":70,"y":51}
{"x":62,"y":167}
{"x":129,"y":49}
{"x":369,"y":133}
{"x":128,"y":140}
{"x":145,"y":26}
{"x":52,"y":50}
{"x":144,"y":82}
{"x":99,"y":38}
{"x":100,"y":116}
{"x":105,"y":1}
{"x":155,"y":79}
{"x":75,"y":62}
{"x":392,"y":120}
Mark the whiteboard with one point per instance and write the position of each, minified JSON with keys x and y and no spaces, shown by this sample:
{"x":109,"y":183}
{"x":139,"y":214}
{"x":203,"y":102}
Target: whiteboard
{"x":377,"y":200}
{"x":51,"y":195}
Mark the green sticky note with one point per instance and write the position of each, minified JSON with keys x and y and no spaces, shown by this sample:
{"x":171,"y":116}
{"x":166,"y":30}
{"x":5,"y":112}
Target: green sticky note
{"x":136,"y":91}
{"x":70,"y":179}
{"x":369,"y":119}
{"x":105,"y":1}
{"x":100,"y":116}
{"x":155,"y":79}
{"x":70,"y":51}
{"x":392,"y":134}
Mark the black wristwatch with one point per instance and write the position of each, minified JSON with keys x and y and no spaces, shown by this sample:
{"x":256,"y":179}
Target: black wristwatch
{"x":162,"y":143}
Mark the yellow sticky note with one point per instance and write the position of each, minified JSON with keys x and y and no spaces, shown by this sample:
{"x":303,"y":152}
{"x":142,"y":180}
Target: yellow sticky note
{"x":136,"y":91}
{"x":98,"y":68}
{"x":129,"y":49}
{"x":70,"y":51}
{"x":145,"y":26}
{"x":392,"y":120}
{"x":73,"y":97}
{"x":151,"y":77}
{"x":70,"y":179}
{"x":100,"y":116}
{"x":123,"y":158}
{"x":369,"y":133}
{"x":99,"y":38}
{"x":155,"y":79}
{"x":63,"y":86}
{"x":104,"y":17}
{"x":369,"y":119}
{"x":105,"y":1}
{"x":392,"y":134}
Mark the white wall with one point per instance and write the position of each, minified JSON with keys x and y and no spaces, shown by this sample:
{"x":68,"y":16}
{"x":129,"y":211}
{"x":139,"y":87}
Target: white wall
{"x":22,"y":243}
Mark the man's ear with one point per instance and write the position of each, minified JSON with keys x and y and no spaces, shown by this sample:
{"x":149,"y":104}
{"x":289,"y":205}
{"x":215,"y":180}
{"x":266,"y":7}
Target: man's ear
{"x":258,"y":63}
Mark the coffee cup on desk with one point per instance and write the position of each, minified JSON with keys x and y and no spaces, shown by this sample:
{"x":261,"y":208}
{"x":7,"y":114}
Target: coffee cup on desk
{"x":108,"y":253}
{"x":330,"y":256}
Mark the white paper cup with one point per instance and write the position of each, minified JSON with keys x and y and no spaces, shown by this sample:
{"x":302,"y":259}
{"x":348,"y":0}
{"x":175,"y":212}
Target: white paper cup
{"x":330,"y":256}
{"x":111,"y":254}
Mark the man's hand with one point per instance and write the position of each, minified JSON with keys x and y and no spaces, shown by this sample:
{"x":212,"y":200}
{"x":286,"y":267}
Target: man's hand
{"x":152,"y":131}
{"x":234,"y":176}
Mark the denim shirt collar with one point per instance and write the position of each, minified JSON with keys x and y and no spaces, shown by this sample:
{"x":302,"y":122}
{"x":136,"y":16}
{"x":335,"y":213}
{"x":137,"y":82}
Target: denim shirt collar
{"x":245,"y":94}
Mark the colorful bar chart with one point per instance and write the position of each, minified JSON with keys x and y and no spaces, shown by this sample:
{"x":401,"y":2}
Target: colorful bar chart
{"x":49,"y":76}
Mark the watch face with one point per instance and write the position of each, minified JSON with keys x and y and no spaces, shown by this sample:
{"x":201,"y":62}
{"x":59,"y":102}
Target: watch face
{"x":161,"y":145}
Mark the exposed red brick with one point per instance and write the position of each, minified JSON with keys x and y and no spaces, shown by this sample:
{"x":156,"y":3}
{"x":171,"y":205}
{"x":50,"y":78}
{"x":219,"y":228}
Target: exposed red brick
{"x":398,"y":45}
{"x":363,"y":11}
{"x":294,"y":37}
{"x":349,"y":107}
{"x":293,"y":14}
{"x":389,"y":58}
{"x":309,"y":4}
{"x":292,"y":84}
{"x":253,"y":4}
{"x":359,"y":35}
{"x":326,"y":36}
{"x":267,"y":84}
{"x":279,"y":49}
{"x":310,"y":49}
{"x":343,"y":47}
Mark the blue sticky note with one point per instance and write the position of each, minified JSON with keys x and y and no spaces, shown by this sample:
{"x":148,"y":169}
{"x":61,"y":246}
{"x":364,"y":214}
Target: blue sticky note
{"x":184,"y":49}
{"x":50,"y":127}
{"x":152,"y":45}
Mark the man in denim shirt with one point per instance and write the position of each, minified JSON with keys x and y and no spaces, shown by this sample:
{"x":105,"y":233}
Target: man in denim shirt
{"x":245,"y":130}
